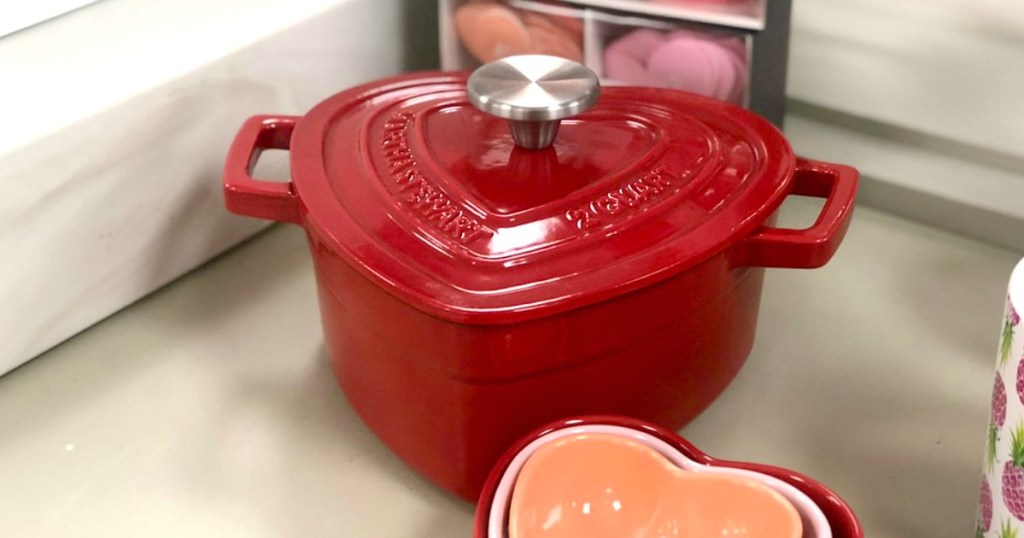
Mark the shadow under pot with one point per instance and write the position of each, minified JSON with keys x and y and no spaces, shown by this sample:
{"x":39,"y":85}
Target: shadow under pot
{"x":474,"y":284}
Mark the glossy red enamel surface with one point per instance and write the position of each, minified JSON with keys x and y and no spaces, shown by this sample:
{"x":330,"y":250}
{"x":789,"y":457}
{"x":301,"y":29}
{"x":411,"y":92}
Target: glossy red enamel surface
{"x":841,"y":518}
{"x":471,"y":291}
{"x":449,"y":398}
{"x":431,"y":197}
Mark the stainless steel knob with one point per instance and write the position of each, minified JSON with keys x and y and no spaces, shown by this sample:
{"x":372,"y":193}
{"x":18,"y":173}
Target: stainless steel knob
{"x":534,"y":93}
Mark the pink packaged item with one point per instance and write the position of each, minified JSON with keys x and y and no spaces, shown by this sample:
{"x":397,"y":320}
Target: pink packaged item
{"x":704,"y":63}
{"x":625,"y":60}
{"x":491,"y":31}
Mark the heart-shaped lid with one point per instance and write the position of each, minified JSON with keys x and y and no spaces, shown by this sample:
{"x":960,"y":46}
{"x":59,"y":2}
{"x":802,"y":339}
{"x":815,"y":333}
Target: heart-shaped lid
{"x":431,"y":198}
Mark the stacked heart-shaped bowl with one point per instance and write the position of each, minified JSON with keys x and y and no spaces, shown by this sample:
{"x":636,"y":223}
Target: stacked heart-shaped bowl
{"x":605,"y":476}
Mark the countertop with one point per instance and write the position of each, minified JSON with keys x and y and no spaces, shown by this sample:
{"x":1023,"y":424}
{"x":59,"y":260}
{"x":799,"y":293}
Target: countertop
{"x":209,"y":409}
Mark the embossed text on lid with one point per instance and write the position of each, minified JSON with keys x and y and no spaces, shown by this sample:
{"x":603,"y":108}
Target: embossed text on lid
{"x":431,"y":198}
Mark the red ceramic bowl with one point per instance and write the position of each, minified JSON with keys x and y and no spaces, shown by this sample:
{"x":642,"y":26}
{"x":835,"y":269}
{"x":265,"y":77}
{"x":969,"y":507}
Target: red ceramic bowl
{"x":471,"y":290}
{"x":841,"y":519}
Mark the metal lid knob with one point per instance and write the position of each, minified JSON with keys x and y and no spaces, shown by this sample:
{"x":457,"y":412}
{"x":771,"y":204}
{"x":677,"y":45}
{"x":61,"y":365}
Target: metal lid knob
{"x":534,"y":92}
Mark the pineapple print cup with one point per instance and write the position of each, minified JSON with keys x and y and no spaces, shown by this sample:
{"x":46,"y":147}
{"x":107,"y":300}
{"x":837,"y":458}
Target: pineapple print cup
{"x":1001,"y":504}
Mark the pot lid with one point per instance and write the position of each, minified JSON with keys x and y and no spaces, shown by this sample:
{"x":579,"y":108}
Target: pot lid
{"x":432,"y":198}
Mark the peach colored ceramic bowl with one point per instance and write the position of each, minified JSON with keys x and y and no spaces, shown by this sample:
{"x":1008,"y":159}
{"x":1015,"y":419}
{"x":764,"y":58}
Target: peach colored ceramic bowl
{"x":823,"y":514}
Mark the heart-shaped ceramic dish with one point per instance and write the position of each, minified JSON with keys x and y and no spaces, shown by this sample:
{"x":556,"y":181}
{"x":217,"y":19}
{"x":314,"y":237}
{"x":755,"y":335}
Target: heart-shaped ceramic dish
{"x":813,"y":519}
{"x":609,"y":485}
{"x":822,"y":512}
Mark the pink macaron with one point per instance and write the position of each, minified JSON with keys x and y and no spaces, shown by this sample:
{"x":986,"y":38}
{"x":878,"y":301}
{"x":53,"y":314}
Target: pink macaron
{"x":730,"y":41}
{"x":571,"y":21}
{"x":735,"y":45}
{"x":704,"y":62}
{"x":491,"y":31}
{"x":547,"y":37}
{"x":681,"y":64}
{"x":625,"y":59}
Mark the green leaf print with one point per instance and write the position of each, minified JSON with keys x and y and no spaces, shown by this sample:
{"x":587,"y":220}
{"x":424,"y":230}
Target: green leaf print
{"x":1006,"y":342}
{"x":1007,"y":531}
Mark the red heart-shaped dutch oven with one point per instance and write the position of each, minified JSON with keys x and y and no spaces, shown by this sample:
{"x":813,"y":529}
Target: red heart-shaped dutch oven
{"x":472,"y":289}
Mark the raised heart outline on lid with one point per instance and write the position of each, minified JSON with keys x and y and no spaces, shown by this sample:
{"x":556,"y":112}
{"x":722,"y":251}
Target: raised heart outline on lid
{"x":442,"y":250}
{"x":487,"y":208}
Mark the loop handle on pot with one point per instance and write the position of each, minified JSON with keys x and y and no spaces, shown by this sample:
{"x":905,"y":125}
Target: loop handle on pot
{"x":248,"y":196}
{"x":811,"y":247}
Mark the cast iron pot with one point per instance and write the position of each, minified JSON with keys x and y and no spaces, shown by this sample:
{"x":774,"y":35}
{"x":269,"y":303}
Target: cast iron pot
{"x":472,"y":289}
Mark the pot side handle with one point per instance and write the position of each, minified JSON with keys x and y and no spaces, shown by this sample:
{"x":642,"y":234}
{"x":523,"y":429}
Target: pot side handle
{"x":811,"y":247}
{"x":252,"y":197}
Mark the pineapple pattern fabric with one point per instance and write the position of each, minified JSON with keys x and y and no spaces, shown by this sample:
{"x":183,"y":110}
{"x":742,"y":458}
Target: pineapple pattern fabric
{"x":1001,"y":500}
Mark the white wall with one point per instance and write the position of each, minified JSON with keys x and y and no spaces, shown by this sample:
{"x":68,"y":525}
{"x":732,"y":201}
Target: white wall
{"x":925,"y":97}
{"x":117,"y":120}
